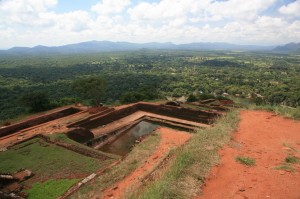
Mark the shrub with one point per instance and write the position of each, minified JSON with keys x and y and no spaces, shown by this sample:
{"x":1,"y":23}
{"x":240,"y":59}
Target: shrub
{"x":192,"y":98}
{"x":291,"y":159}
{"x":245,"y":160}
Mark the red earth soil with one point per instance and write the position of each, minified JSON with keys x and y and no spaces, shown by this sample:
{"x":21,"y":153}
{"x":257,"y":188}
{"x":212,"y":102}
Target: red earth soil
{"x":269,"y":139}
{"x":169,"y":139}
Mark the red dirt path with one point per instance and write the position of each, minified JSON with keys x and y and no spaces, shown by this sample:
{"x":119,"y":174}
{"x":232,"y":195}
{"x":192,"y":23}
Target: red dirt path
{"x":269,"y":139}
{"x":170,"y":138}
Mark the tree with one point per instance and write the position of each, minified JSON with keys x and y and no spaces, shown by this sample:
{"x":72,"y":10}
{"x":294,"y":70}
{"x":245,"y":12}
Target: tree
{"x":91,"y":87}
{"x":277,"y":98}
{"x":131,"y":97}
{"x":204,"y":96}
{"x":36,"y":101}
{"x":192,"y":98}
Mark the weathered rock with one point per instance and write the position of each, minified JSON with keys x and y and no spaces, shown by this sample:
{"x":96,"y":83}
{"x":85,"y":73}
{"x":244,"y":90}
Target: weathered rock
{"x":23,"y":175}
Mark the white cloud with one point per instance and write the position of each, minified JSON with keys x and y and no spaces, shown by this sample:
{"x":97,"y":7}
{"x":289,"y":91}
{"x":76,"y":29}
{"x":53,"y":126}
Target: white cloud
{"x":34,"y":22}
{"x":199,"y":10}
{"x":106,"y":7}
{"x":292,"y":9}
{"x":239,"y":9}
{"x":75,"y":21}
{"x":26,"y":6}
{"x":23,"y":11}
{"x":167,"y":9}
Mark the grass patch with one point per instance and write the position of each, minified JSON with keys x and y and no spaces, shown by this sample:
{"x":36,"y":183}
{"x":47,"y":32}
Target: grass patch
{"x":193,"y":162}
{"x":245,"y":160}
{"x":289,"y":146}
{"x":289,"y":112}
{"x":64,"y":138}
{"x":46,"y":160}
{"x":285,"y":111}
{"x":133,"y":160}
{"x":292,"y":160}
{"x":50,"y":189}
{"x":194,"y":107}
{"x":285,"y":167}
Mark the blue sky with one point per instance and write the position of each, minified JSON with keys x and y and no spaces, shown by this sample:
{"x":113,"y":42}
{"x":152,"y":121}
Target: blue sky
{"x":59,"y":22}
{"x":71,"y":5}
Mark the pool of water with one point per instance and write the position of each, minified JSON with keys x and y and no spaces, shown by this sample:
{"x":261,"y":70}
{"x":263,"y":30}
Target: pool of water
{"x":123,"y":144}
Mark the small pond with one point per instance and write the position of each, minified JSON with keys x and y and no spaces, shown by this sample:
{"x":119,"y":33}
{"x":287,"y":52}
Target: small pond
{"x":123,"y":144}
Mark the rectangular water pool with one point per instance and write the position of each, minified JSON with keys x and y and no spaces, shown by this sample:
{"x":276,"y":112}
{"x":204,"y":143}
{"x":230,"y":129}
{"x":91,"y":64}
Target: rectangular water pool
{"x":123,"y":144}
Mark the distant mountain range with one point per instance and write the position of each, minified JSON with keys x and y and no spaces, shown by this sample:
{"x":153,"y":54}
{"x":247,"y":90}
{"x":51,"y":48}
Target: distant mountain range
{"x":107,"y":46}
{"x":290,"y":47}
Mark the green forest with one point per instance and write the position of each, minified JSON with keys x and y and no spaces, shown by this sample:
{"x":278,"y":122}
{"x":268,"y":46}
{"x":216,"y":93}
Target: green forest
{"x":264,"y":78}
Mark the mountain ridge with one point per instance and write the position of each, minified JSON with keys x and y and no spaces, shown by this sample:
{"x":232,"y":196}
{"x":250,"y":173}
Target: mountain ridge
{"x":290,"y":47}
{"x":109,"y":46}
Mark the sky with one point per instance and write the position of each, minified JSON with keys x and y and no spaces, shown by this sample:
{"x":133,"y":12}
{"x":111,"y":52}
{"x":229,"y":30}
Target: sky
{"x":59,"y":22}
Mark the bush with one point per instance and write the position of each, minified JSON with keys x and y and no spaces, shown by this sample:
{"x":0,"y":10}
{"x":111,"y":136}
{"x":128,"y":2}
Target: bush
{"x":204,"y":96}
{"x":245,"y":160}
{"x":131,"y":97}
{"x":220,"y":97}
{"x":259,"y":101}
{"x":192,"y":98}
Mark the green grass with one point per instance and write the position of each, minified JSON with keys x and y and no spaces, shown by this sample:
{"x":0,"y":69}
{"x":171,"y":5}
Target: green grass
{"x":46,"y":160}
{"x":50,"y":189}
{"x":193,"y":161}
{"x":289,"y":112}
{"x":289,"y":146}
{"x":285,"y":167}
{"x":133,"y":160}
{"x":285,"y":111}
{"x":292,"y":160}
{"x":64,"y":138}
{"x":194,"y":107}
{"x":245,"y":160}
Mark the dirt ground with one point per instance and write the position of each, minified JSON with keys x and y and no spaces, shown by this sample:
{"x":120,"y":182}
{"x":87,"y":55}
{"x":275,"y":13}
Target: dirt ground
{"x":269,"y":139}
{"x":170,"y":138}
{"x":57,"y":125}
